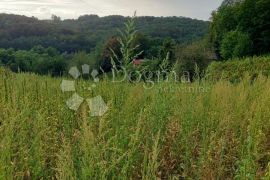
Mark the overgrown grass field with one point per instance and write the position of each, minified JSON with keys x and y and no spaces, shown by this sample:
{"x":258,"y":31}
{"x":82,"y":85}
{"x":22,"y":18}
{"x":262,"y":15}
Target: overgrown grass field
{"x":201,"y":130}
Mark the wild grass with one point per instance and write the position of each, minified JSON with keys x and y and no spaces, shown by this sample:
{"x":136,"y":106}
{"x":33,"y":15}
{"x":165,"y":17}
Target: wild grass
{"x":172,"y":131}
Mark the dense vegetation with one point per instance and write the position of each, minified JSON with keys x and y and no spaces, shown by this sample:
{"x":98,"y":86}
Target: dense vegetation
{"x":237,"y":69}
{"x":38,"y":59}
{"x":48,"y":57}
{"x":238,"y":29}
{"x":173,"y":131}
{"x":241,"y":28}
{"x":87,"y":32}
{"x":216,"y":127}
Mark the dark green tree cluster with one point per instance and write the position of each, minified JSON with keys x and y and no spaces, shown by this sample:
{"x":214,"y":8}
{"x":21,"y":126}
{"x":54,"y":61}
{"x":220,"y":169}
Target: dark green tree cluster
{"x":148,"y":48}
{"x":50,"y":61}
{"x":38,"y":60}
{"x":241,"y":28}
{"x":90,"y":39}
{"x":86,"y":32}
{"x":194,"y":58}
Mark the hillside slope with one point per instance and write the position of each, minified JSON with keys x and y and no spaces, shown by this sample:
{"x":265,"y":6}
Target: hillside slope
{"x":84,"y":33}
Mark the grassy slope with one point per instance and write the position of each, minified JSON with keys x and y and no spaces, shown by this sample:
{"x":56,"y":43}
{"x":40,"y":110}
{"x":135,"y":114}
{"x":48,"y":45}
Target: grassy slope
{"x":218,"y":134}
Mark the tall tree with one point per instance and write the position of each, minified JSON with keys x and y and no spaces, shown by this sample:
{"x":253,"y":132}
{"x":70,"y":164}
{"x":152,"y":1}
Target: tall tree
{"x":247,"y":17}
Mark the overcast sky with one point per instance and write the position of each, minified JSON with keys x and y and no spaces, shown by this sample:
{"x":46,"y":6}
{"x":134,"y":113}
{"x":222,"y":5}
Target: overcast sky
{"x":43,"y":9}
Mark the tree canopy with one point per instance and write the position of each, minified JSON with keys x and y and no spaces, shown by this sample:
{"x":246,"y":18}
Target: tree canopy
{"x":86,"y":32}
{"x":241,"y":28}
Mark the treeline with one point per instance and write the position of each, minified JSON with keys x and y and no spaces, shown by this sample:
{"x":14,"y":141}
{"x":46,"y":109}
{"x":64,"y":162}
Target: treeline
{"x":38,"y":60}
{"x":182,"y":55}
{"x":240,"y":35}
{"x":49,"y":60}
{"x":89,"y":31}
{"x":241,"y":28}
{"x":239,"y":31}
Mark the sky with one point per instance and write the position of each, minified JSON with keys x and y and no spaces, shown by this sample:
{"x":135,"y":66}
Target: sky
{"x":71,"y":9}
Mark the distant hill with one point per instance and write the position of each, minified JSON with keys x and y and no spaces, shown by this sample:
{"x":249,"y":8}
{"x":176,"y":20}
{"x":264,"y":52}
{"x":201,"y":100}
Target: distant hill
{"x":84,"y":33}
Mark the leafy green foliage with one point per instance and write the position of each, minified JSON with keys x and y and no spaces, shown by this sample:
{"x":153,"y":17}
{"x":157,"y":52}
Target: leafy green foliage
{"x":81,"y":58}
{"x":123,"y":48}
{"x":168,"y":48}
{"x":248,"y":19}
{"x":38,"y":60}
{"x":236,"y":69}
{"x":130,"y":51}
{"x":198,"y":54}
{"x":84,"y":33}
{"x":235,"y":44}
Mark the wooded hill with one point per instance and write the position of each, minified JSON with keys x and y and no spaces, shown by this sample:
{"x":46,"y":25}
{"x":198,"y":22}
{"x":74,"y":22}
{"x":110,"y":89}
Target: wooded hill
{"x":86,"y":32}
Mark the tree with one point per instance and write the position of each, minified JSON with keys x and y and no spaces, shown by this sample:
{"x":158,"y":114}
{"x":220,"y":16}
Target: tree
{"x":247,"y":18}
{"x":55,"y":19}
{"x":52,"y":51}
{"x":83,"y":34}
{"x":198,"y":54}
{"x":81,"y":58}
{"x":57,"y":66}
{"x":235,"y":44}
{"x":223,"y":21}
{"x":144,"y":43}
{"x":112,"y":46}
{"x":168,"y":48}
{"x":38,"y":49}
{"x":7,"y":56}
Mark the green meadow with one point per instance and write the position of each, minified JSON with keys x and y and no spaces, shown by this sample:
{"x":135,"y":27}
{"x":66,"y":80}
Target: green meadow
{"x":201,"y":130}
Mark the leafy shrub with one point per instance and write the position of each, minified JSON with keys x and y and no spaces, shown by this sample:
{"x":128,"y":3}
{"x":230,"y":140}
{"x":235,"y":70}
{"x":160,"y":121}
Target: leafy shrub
{"x":236,"y":69}
{"x":198,"y":54}
{"x":38,"y":60}
{"x":5,"y":72}
{"x":235,"y":44}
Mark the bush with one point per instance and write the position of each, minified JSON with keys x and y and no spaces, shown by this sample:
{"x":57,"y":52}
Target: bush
{"x":198,"y":54}
{"x":4,"y":72}
{"x":235,"y":44}
{"x":38,"y":60}
{"x":234,"y":70}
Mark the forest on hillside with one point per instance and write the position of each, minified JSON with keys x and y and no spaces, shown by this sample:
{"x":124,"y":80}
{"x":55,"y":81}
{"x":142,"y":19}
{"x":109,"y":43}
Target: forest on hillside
{"x":89,"y":31}
{"x":52,"y":46}
{"x":236,"y":29}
